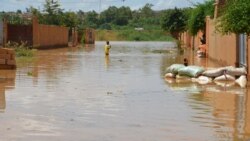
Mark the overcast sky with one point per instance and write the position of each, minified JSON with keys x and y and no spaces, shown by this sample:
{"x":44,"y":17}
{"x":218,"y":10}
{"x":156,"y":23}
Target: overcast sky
{"x":97,"y":5}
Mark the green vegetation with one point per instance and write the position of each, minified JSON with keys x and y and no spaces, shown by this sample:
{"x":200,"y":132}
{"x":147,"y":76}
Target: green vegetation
{"x":198,"y":15}
{"x":121,"y":20}
{"x":235,"y":17}
{"x":21,"y":50}
{"x":143,"y":24}
{"x":133,"y":35}
{"x":29,"y":73}
{"x":174,"y":21}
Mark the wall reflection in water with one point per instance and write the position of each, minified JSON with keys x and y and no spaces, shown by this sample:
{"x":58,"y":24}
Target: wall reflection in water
{"x":223,"y":106}
{"x":7,"y":81}
{"x":89,"y":47}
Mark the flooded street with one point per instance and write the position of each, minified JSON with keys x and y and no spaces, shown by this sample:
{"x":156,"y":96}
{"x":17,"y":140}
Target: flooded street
{"x":79,"y":94}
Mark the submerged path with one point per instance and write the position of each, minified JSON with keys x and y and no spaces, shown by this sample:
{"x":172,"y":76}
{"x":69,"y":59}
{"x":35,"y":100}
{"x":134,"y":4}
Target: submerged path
{"x":79,"y":94}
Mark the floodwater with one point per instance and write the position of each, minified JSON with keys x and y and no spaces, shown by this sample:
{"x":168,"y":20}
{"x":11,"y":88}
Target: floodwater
{"x":79,"y":94}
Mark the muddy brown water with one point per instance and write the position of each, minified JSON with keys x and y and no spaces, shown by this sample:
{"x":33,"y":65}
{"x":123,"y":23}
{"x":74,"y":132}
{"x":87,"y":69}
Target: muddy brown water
{"x":79,"y":94}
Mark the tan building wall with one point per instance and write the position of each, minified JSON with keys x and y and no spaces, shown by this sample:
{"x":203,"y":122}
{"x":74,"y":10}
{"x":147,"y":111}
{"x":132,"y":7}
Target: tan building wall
{"x":247,"y":113}
{"x":186,"y":39}
{"x":248,"y":56}
{"x":221,"y":48}
{"x":189,"y":41}
{"x":45,"y":36}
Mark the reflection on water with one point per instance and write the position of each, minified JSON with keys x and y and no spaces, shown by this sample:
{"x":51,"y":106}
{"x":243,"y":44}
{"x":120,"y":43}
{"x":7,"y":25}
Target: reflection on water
{"x":107,"y":61}
{"x":7,"y":81}
{"x":79,"y":94}
{"x":222,"y":106}
{"x":2,"y":99}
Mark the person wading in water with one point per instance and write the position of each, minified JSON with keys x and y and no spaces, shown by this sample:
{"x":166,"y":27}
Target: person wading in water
{"x":107,"y":48}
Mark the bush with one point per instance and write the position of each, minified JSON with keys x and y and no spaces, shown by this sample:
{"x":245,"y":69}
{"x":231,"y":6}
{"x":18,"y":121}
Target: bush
{"x":21,"y":49}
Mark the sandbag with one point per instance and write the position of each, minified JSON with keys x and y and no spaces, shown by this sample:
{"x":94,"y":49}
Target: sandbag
{"x":191,"y":71}
{"x":182,"y":79}
{"x":170,"y":80}
{"x":214,"y":72}
{"x":204,"y":80}
{"x":242,"y":81}
{"x":169,"y":75}
{"x":174,"y":68}
{"x":225,"y":77}
{"x":236,"y":71}
{"x":194,"y":79}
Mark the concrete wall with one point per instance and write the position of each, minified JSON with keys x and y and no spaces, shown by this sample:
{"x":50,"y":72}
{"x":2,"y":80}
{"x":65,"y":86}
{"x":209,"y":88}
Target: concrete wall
{"x":221,"y":48}
{"x":45,"y":36}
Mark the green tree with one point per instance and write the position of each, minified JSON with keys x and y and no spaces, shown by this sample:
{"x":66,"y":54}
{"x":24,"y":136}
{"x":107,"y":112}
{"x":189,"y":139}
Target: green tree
{"x":35,"y":12}
{"x":174,"y":21}
{"x":124,"y":14}
{"x":235,"y":17}
{"x":53,"y":12}
{"x":109,"y":15}
{"x":147,"y":11}
{"x":91,"y":19}
{"x":117,"y":16}
{"x":70,"y":19}
{"x":197,"y":18}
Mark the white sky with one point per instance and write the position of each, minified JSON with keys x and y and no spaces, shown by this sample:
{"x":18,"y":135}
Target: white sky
{"x":97,"y":5}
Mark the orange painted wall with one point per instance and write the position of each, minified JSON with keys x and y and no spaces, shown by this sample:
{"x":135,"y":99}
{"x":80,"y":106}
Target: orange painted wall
{"x":53,"y":36}
{"x":45,"y":36}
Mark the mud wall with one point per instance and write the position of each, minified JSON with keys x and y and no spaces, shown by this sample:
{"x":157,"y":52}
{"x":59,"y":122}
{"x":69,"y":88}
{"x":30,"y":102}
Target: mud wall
{"x":45,"y":36}
{"x":18,"y":33}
